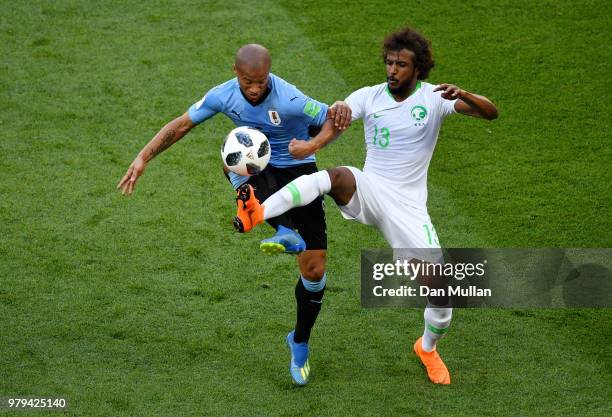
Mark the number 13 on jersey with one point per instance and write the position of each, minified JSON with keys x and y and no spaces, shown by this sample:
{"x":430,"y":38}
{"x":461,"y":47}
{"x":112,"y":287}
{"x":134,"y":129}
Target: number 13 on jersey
{"x":381,"y":137}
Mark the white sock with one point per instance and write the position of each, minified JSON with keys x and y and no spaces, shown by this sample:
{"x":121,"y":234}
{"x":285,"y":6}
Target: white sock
{"x":299,"y":192}
{"x":437,"y":321}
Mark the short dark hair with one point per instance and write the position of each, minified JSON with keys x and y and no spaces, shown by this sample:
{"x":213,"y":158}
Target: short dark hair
{"x":412,"y":40}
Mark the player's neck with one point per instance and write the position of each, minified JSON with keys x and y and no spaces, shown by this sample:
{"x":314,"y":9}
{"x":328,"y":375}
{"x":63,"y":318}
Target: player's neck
{"x":259,"y":100}
{"x":404,"y":92}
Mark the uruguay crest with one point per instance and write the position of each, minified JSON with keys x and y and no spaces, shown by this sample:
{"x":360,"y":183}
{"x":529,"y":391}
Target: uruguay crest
{"x":274,"y":117}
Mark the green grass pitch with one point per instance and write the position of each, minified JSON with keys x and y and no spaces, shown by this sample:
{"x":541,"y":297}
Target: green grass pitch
{"x":153,"y":306}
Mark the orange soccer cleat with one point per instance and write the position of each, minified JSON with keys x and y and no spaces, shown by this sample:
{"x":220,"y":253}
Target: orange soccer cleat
{"x":436,"y":369}
{"x":249,"y":211}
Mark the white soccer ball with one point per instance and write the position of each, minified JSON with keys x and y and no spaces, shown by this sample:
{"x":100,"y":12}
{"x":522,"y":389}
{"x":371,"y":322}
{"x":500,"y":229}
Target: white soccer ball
{"x":245,"y":151}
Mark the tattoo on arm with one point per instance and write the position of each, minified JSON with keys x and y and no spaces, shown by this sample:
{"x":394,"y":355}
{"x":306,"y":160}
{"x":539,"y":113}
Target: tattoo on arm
{"x":165,"y":141}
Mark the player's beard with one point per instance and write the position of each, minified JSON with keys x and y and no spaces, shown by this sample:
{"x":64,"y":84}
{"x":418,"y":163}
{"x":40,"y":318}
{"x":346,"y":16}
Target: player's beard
{"x":393,"y":84}
{"x":397,"y":88}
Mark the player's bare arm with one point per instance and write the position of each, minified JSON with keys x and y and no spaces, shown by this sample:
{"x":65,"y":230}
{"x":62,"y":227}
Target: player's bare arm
{"x":166,"y":137}
{"x":468,"y":103}
{"x":300,"y":149}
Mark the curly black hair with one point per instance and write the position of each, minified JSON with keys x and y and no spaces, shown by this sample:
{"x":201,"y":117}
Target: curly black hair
{"x":412,"y":40}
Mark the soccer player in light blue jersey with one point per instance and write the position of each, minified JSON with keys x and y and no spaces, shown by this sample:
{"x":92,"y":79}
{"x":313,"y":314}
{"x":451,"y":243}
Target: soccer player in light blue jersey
{"x":259,"y":99}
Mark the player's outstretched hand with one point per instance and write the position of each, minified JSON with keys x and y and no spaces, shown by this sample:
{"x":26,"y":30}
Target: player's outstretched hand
{"x":449,"y":91}
{"x":341,"y":113}
{"x":300,"y":149}
{"x":128,"y":182}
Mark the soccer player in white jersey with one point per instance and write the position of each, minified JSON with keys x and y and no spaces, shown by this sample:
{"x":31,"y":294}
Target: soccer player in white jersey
{"x":402,"y":118}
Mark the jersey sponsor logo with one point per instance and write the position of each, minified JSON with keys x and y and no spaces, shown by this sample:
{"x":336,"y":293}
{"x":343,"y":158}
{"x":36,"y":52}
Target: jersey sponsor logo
{"x":312,"y":109}
{"x":199,"y":103}
{"x":274,"y":117}
{"x":376,"y":115}
{"x":419,"y":113}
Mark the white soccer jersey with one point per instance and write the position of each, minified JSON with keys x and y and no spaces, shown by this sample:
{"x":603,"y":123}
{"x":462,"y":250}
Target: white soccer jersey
{"x":401,"y":136}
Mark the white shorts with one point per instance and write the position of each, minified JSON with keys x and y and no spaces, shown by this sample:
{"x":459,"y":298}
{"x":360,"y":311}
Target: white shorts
{"x":378,"y":203}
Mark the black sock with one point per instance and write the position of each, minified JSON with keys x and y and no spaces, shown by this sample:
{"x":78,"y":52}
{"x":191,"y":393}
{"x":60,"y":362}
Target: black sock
{"x":282,"y":220}
{"x":308,"y":307}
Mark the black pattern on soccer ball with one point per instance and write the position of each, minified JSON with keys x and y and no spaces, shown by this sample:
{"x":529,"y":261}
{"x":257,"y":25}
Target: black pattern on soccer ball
{"x":244,"y":139}
{"x":233,"y":158}
{"x":252,"y":169}
{"x":264,"y":148}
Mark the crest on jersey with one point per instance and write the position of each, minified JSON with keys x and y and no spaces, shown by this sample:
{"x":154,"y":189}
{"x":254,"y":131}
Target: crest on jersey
{"x":419,"y":113}
{"x":274,"y":117}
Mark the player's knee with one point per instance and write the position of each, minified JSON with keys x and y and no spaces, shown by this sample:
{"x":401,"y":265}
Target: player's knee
{"x":343,"y":185}
{"x":313,"y":270}
{"x":336,"y":176}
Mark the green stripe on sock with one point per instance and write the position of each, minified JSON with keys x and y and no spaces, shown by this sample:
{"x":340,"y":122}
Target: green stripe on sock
{"x":295,"y":194}
{"x":436,"y":330}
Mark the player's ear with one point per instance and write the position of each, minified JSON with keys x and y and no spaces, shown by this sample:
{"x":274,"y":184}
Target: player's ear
{"x":234,"y":69}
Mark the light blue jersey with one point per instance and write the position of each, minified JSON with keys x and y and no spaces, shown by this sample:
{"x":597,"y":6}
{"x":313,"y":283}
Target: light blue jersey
{"x":284,"y":114}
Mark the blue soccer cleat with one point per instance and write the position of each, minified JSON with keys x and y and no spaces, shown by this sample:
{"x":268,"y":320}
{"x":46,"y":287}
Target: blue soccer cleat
{"x":299,"y":366}
{"x":284,"y":241}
